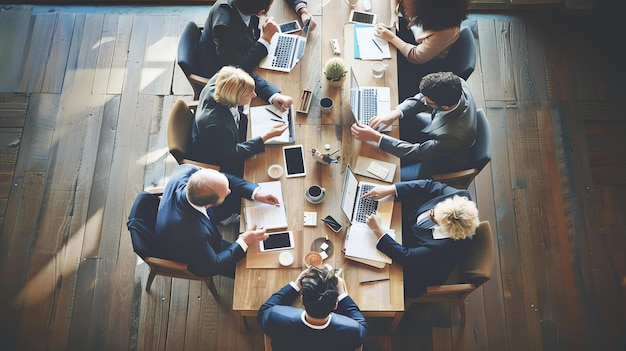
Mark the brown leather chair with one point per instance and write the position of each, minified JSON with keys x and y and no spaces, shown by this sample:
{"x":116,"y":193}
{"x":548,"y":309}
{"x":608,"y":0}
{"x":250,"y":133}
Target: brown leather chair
{"x":141,"y":225}
{"x":189,"y":59}
{"x":474,"y":269}
{"x":268,"y":344}
{"x":179,"y":134}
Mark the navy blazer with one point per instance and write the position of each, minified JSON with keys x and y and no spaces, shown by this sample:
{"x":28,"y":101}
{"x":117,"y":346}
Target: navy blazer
{"x":426,"y":261}
{"x":283,"y":323}
{"x":186,"y":235}
{"x":216,"y":138}
{"x":227,"y":41}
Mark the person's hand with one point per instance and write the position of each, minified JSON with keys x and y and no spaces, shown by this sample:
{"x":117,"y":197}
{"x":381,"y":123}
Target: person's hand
{"x":365,"y":133}
{"x":305,"y":17}
{"x":253,"y":235}
{"x":282,"y":102}
{"x":275,"y":131}
{"x":381,"y":122}
{"x":383,"y":32}
{"x":266,"y":198}
{"x":380,"y":191}
{"x":269,"y":28}
{"x":373,"y":221}
{"x":341,"y":286}
{"x":298,"y":280}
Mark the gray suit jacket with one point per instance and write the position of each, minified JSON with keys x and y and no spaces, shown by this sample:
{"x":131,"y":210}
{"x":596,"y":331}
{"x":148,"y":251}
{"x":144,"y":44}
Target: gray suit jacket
{"x":451,"y":135}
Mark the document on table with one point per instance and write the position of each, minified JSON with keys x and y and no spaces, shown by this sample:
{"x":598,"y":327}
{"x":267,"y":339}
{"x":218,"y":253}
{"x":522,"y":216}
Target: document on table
{"x":264,"y":215}
{"x":367,"y":46}
{"x":360,"y":245}
{"x":263,"y":118}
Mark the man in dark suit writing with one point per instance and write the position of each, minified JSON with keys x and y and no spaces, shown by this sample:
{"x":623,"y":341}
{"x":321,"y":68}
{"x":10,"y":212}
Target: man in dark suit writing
{"x":186,"y":230}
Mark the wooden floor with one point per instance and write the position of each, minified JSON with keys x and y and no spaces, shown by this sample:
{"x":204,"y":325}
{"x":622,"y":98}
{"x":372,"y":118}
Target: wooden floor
{"x":84,"y":99}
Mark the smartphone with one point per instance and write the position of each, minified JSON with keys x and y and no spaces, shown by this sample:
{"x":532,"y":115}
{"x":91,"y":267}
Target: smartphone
{"x":294,"y":161}
{"x":332,"y":223}
{"x":362,"y":17}
{"x":277,"y":241}
{"x":289,"y":27}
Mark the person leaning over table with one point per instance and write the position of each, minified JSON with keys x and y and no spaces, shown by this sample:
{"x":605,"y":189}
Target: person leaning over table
{"x":220,"y":129}
{"x":425,"y":31}
{"x":433,"y":143}
{"x":438,"y":224}
{"x":186,"y":229}
{"x":330,"y":321}
{"x":227,"y":39}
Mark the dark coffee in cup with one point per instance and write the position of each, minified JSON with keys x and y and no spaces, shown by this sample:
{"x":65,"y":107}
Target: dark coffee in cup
{"x":315,"y":190}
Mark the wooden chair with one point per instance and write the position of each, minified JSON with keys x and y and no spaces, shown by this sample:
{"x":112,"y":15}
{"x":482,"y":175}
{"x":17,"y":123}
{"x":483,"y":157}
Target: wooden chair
{"x":141,"y":225}
{"x":189,"y":58}
{"x":268,"y":343}
{"x":179,"y":134}
{"x":474,"y":269}
{"x":480,"y":155}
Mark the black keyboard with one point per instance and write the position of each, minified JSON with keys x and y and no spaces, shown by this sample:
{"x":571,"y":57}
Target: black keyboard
{"x":365,"y":207}
{"x":282,"y":54}
{"x":369,"y":97}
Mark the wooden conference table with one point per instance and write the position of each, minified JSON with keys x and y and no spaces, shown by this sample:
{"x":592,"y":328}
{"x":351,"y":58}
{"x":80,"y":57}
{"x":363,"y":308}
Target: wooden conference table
{"x":313,"y":130}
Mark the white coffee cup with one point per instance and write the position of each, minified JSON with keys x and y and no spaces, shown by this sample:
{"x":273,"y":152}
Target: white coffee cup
{"x":351,"y":3}
{"x":275,"y":171}
{"x":285,"y":258}
{"x":326,"y":105}
{"x":378,"y":69}
{"x":315,"y":194}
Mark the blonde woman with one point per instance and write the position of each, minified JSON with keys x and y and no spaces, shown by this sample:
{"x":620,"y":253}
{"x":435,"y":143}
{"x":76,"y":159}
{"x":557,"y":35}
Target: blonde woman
{"x":220,"y":128}
{"x":438,"y":223}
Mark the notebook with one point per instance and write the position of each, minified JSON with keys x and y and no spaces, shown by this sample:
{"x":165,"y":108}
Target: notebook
{"x":285,"y":50}
{"x":357,"y":209}
{"x":264,"y":117}
{"x":367,"y":46}
{"x":360,"y":245}
{"x":367,"y":102}
{"x":266,"y":215}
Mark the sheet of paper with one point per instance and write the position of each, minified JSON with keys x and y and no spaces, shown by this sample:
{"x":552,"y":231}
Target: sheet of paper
{"x":369,"y":46}
{"x":263,"y":118}
{"x":361,"y":242}
{"x":268,"y":216}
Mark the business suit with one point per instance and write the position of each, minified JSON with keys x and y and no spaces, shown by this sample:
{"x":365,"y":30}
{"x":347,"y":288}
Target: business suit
{"x":227,"y":41}
{"x":441,"y":145}
{"x":186,"y":235}
{"x":426,"y":261}
{"x":283,"y":323}
{"x":216,"y":138}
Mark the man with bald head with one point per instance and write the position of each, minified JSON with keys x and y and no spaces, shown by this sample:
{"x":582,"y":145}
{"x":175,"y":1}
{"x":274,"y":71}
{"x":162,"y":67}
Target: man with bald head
{"x":186,"y":227}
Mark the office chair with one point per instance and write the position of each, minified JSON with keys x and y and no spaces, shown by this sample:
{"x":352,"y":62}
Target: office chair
{"x":179,"y":134}
{"x":461,"y":59}
{"x":267,"y":340}
{"x":480,"y":155}
{"x":142,"y":227}
{"x":189,"y":58}
{"x":473,"y":270}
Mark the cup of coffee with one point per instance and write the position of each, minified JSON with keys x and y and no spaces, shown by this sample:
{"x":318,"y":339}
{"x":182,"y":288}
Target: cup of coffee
{"x":312,"y":258}
{"x":285,"y":258}
{"x":315,"y":194}
{"x":378,"y":69}
{"x":275,"y":171}
{"x":326,"y":105}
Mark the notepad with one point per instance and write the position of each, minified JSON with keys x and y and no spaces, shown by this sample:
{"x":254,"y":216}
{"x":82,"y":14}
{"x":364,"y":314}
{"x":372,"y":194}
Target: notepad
{"x":263,"y":118}
{"x":360,"y":245}
{"x":264,"y":215}
{"x":367,"y":46}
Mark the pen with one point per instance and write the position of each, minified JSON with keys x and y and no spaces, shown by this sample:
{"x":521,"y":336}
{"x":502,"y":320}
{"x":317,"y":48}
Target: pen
{"x":334,"y":152}
{"x":274,"y":113}
{"x":277,"y":120}
{"x":378,"y":46}
{"x":374,"y":280}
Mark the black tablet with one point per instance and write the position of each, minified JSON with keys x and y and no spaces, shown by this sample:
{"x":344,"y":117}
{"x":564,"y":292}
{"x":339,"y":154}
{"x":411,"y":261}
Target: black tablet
{"x":294,"y":161}
{"x":277,"y":241}
{"x":362,"y":17}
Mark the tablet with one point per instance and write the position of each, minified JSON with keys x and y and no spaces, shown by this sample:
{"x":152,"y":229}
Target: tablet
{"x":289,"y":27}
{"x":362,"y":17}
{"x":277,"y":241}
{"x":294,"y":161}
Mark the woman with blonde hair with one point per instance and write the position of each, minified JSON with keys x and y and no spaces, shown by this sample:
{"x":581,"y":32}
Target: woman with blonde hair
{"x":438,"y":223}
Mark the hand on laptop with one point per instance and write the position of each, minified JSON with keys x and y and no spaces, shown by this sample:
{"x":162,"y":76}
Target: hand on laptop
{"x":381,"y":122}
{"x":269,"y":28}
{"x":373,"y":221}
{"x":380,"y":191}
{"x":365,"y":133}
{"x":282,"y":102}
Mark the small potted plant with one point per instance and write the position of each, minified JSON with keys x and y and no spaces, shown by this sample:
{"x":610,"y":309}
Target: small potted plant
{"x":335,"y":72}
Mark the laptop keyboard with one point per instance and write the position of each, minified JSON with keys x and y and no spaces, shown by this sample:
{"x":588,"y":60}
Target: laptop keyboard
{"x":369,"y":97}
{"x":282,"y":54}
{"x":365,"y":207}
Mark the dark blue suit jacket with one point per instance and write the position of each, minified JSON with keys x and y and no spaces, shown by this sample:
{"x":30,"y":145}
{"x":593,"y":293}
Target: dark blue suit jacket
{"x":426,"y":261}
{"x":186,"y":235}
{"x":217,"y":140}
{"x":283,"y":323}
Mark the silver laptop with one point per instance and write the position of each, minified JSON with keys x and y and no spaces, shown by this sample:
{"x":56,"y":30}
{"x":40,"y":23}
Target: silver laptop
{"x":285,"y":50}
{"x":367,"y":102}
{"x":357,"y":209}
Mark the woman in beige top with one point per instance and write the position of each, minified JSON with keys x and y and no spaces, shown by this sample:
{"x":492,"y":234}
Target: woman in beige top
{"x":425,"y":32}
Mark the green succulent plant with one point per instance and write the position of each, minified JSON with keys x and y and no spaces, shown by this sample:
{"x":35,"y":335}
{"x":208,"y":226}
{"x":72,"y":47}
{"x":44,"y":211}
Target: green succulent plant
{"x":335,"y":69}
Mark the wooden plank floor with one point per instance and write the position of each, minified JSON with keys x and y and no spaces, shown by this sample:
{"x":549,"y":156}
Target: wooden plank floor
{"x":84,"y":101}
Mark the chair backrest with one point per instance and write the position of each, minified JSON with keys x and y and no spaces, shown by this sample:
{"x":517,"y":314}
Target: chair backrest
{"x":461,"y":59}
{"x":267,"y":340}
{"x":179,"y":130}
{"x":142,"y":223}
{"x":189,"y":57}
{"x":476,"y":266}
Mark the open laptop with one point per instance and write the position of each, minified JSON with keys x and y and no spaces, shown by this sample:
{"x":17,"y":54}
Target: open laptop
{"x":285,"y":50}
{"x":357,"y":209}
{"x":367,"y":102}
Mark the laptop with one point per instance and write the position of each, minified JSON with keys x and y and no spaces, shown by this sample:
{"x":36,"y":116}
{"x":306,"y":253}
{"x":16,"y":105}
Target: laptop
{"x":367,"y":102}
{"x":357,"y":209}
{"x":285,"y":50}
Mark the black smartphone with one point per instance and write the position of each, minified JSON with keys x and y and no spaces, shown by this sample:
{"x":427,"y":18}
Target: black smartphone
{"x":332,"y":223}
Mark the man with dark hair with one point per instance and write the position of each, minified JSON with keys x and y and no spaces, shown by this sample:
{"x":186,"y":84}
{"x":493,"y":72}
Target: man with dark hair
{"x":430,"y":143}
{"x":231,"y":37}
{"x":186,"y":228}
{"x":316,"y":327}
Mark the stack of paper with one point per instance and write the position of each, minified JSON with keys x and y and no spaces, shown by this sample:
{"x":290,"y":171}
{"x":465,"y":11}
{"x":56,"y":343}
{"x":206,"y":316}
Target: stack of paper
{"x":360,"y":245}
{"x":367,"y":46}
{"x":263,"y":118}
{"x":264,"y":215}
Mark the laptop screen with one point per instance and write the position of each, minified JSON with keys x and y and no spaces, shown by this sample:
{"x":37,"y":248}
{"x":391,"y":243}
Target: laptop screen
{"x":348,"y":196}
{"x":354,"y":96}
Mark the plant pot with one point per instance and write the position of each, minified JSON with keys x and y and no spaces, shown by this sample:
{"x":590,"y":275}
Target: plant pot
{"x":336,"y":83}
